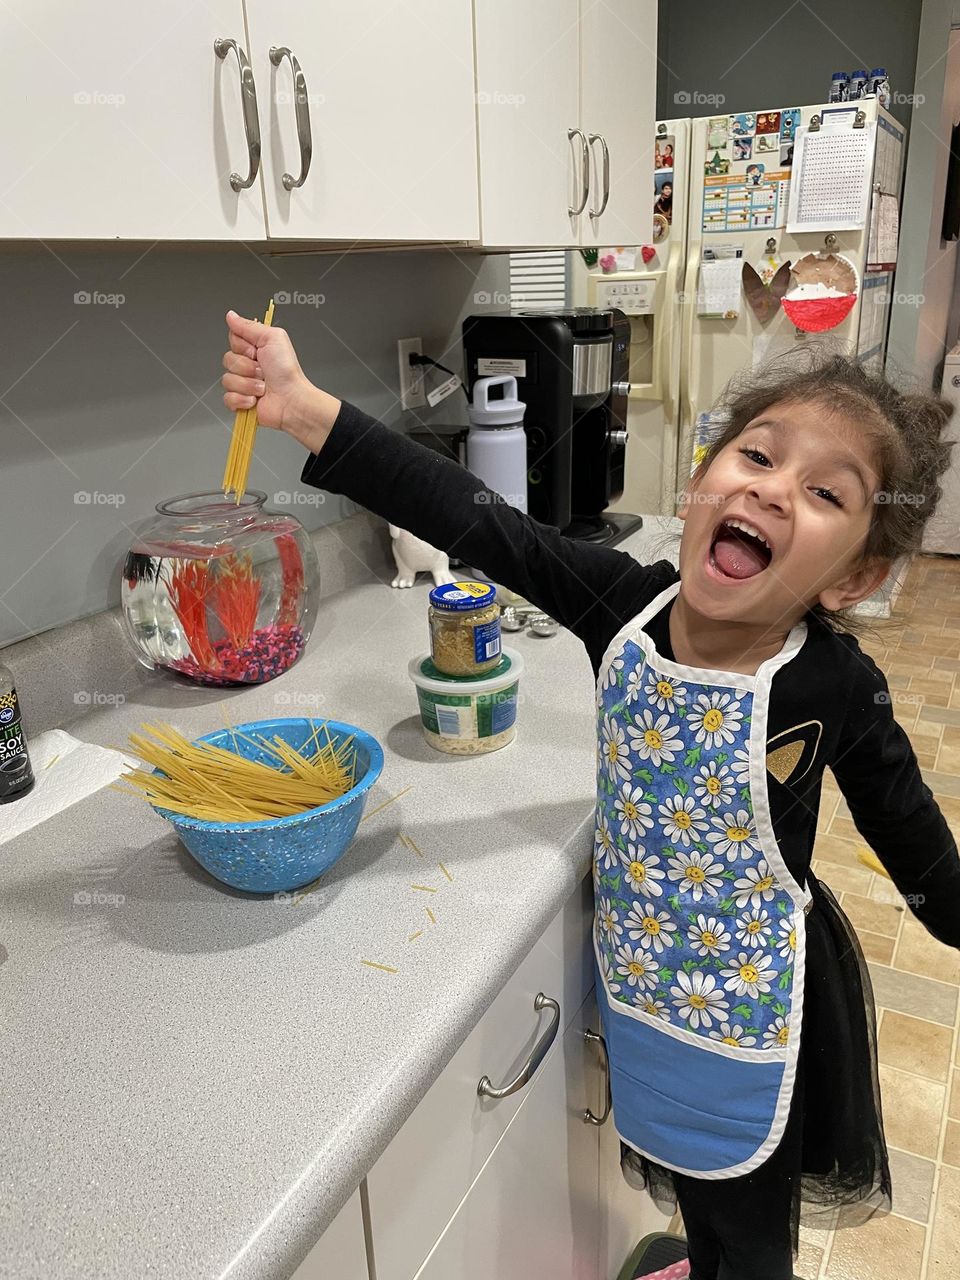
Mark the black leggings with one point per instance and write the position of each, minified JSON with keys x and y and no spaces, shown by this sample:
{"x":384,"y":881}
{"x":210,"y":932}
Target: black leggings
{"x":741,"y":1228}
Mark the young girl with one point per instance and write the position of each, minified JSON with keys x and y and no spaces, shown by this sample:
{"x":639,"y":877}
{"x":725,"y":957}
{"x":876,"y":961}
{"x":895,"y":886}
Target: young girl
{"x":736,"y":1005}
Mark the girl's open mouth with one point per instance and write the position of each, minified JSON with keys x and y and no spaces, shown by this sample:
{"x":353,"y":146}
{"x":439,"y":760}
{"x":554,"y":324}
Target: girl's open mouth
{"x":737,"y":551}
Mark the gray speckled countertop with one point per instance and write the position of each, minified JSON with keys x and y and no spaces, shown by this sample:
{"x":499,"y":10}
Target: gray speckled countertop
{"x":196,"y":1079}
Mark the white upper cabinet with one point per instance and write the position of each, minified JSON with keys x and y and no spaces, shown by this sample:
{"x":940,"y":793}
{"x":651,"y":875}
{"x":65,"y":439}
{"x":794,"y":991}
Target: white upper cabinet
{"x":618,"y":40}
{"x":528,"y":100}
{"x":122,"y":122}
{"x":392,"y":125}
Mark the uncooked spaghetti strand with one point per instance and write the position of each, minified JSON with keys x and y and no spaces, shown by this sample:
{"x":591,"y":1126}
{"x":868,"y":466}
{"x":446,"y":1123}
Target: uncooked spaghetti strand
{"x":242,"y":442}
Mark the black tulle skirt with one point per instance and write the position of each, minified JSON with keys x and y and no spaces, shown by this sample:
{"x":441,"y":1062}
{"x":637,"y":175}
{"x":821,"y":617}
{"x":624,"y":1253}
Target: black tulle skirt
{"x":834,"y":1137}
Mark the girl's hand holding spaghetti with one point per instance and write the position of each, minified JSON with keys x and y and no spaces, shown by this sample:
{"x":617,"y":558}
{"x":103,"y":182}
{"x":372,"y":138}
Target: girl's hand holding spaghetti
{"x":262,"y":369}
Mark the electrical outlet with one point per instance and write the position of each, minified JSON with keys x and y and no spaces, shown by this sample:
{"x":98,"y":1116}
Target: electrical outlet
{"x":411,"y":375}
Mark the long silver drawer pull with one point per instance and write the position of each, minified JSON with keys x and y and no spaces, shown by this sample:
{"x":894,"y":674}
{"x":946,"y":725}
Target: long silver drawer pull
{"x":598,"y":137}
{"x":251,"y":121}
{"x":584,"y":171}
{"x":485,"y":1088}
{"x":592,"y":1037}
{"x":304,"y":135}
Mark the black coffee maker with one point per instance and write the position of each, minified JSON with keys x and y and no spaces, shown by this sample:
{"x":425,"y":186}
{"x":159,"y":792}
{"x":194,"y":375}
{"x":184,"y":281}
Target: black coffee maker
{"x":572,"y":374}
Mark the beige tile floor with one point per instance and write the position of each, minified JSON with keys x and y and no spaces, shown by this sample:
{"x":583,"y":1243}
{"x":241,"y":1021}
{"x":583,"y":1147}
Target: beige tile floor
{"x":919,"y":650}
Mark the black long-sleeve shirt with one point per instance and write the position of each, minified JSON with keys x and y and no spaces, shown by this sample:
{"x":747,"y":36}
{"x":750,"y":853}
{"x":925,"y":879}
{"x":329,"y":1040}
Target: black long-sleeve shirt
{"x":832,"y":698}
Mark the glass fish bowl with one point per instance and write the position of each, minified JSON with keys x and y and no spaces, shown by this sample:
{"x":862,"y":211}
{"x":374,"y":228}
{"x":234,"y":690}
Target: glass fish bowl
{"x":223,"y":593}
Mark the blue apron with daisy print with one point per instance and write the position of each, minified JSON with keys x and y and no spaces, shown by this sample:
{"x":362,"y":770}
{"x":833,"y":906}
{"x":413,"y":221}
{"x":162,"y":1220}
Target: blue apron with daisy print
{"x":699,"y":928}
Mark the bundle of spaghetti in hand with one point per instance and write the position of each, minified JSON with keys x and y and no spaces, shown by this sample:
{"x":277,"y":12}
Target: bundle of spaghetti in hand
{"x":200,"y":780}
{"x":241,"y":443}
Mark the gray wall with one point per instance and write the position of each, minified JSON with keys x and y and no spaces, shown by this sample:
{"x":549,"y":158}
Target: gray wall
{"x":758,"y":56}
{"x":124,"y":400}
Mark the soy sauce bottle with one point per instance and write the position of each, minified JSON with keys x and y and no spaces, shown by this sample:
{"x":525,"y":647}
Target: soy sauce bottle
{"x":16,"y":772}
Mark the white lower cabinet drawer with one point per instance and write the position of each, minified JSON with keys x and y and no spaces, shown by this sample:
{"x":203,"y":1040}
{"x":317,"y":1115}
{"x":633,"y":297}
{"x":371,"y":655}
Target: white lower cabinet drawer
{"x":418,"y":1182}
{"x":533,"y":1211}
{"x":340,"y":1253}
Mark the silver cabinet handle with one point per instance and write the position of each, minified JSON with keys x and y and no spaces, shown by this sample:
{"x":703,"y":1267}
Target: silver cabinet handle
{"x":304,"y":136}
{"x":598,"y":137}
{"x":592,"y":1037}
{"x":584,"y":171}
{"x":486,"y":1090}
{"x":251,"y":121}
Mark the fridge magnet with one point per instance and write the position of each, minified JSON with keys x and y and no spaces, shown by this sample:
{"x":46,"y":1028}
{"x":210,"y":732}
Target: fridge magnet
{"x":768,"y":122}
{"x":742,"y":148}
{"x":718,"y":132}
{"x":663,"y":195}
{"x":661,"y":228}
{"x":743,"y":123}
{"x":663,"y":152}
{"x":786,"y":155}
{"x":647,"y":253}
{"x":624,"y":257}
{"x":789,"y":123}
{"x":608,"y":263}
{"x":589,"y":257}
{"x":716,"y":165}
{"x":823,"y":292}
{"x":764,"y":288}
{"x":754,"y":174}
{"x":766,"y":142}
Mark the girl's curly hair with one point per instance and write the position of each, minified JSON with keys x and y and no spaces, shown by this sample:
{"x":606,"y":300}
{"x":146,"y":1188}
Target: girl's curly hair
{"x":904,"y":429}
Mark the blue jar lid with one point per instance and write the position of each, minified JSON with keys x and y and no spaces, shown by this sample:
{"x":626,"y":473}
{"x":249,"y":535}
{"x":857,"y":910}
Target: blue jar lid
{"x":878,"y":71}
{"x":458,"y":597}
{"x":839,"y":75}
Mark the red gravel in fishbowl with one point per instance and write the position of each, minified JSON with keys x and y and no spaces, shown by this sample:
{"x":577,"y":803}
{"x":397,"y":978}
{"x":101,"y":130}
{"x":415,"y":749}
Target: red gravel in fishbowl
{"x":221,"y":592}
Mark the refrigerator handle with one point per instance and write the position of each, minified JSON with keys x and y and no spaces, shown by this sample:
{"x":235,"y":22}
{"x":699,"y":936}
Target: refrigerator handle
{"x":689,"y":383}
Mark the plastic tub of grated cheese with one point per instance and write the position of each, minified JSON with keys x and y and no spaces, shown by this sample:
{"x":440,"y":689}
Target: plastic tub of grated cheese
{"x":468,"y":715}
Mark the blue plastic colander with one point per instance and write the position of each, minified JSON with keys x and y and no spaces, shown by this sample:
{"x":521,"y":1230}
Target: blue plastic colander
{"x":281,"y":853}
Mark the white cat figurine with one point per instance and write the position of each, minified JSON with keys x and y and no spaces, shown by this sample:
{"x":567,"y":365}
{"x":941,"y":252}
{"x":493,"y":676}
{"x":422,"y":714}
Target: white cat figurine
{"x":414,"y":556}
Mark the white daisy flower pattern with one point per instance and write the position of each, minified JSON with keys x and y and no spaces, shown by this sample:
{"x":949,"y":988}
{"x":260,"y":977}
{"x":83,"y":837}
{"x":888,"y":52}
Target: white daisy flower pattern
{"x":732,"y":1033}
{"x":642,"y":871}
{"x":664,"y":694}
{"x":755,"y":886}
{"x":616,"y":757}
{"x":605,"y":850}
{"x":734,"y":835}
{"x":694,"y":927}
{"x":754,"y":930}
{"x":709,"y":936}
{"x":652,"y":928}
{"x":749,"y":975}
{"x":715,"y":719}
{"x":638,"y":967}
{"x":609,"y":919}
{"x":633,"y":812}
{"x":698,"y":999}
{"x":698,"y":874}
{"x":654,"y":738}
{"x":681,"y":819}
{"x":787,"y":946}
{"x":714,"y":785}
{"x":777,"y":1034}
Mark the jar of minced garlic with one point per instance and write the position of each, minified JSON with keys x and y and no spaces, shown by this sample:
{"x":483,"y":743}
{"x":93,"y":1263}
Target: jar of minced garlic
{"x":464,"y":628}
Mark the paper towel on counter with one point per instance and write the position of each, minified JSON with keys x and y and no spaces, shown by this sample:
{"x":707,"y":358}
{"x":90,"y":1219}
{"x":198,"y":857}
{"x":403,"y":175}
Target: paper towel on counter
{"x":67,"y":770}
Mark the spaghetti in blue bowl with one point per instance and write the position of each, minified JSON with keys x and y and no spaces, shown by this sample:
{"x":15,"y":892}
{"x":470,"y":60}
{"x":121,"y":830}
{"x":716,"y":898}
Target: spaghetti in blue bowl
{"x":281,"y":854}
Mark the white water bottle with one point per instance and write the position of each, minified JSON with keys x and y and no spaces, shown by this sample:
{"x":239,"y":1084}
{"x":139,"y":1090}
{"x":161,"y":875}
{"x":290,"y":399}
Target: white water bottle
{"x":496,"y":442}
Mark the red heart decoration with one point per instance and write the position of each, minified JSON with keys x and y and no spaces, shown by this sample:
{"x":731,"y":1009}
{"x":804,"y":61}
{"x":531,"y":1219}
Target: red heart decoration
{"x":647,"y":253}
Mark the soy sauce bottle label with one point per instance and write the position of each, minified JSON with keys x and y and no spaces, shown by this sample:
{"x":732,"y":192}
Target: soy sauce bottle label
{"x":16,"y":774}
